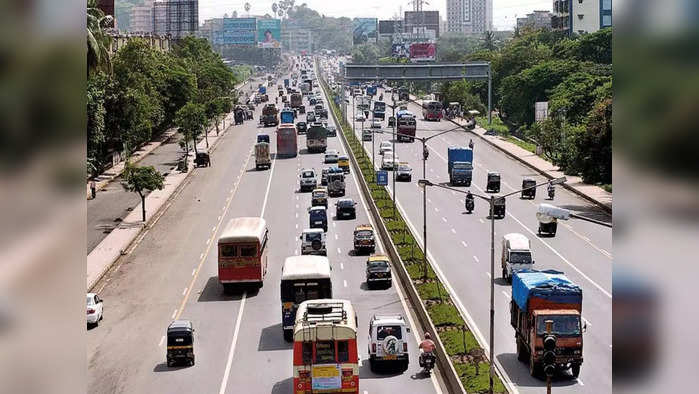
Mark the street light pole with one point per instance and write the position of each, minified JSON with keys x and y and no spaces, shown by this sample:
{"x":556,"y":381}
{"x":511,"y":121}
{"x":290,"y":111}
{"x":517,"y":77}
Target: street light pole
{"x":395,"y":198}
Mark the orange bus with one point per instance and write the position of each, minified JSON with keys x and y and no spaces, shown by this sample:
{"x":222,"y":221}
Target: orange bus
{"x":325,"y":347}
{"x":242,"y":252}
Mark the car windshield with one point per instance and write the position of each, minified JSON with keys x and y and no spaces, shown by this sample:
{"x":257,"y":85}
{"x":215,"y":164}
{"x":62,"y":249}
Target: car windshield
{"x":307,"y":174}
{"x":384,"y":331}
{"x":562,"y":325}
{"x":364,"y":234}
{"x":318,"y":194}
{"x":317,"y":214}
{"x":520,"y":258}
{"x":404,"y":168}
{"x":310,"y":237}
{"x":379,"y":264}
{"x":90,"y":300}
{"x":345,"y":203}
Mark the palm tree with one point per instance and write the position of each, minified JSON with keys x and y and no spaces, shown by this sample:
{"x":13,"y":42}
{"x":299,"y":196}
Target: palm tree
{"x":489,"y":41}
{"x":97,"y":39}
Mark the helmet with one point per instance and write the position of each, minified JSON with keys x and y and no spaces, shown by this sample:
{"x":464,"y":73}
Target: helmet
{"x":427,"y":335}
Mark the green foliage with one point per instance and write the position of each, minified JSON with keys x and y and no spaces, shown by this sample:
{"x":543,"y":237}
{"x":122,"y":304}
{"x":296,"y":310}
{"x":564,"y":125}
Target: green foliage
{"x":98,"y":41}
{"x":191,"y":119}
{"x":454,"y":343}
{"x":432,"y":291}
{"x":477,"y":380}
{"x":594,"y":47}
{"x":365,"y":54}
{"x":140,"y":180}
{"x":460,"y":91}
{"x":96,"y":123}
{"x":444,"y":314}
{"x":575,"y":96}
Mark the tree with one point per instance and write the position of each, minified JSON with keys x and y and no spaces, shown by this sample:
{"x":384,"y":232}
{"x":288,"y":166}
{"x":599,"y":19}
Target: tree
{"x":98,"y":41}
{"x":595,"y":144}
{"x":365,"y":54}
{"x":488,"y":41}
{"x":461,"y":92}
{"x":577,"y":94}
{"x":142,"y":180}
{"x":217,"y":108}
{"x":96,"y":123}
{"x":190,"y":120}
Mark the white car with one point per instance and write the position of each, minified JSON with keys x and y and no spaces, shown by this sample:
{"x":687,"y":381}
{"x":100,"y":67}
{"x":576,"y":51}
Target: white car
{"x":331,"y":156}
{"x":385,"y":146}
{"x":313,"y":241}
{"x":360,"y":118}
{"x":307,"y":179}
{"x":375,"y":124}
{"x":388,"y":341}
{"x":389,"y":161}
{"x":94,"y":309}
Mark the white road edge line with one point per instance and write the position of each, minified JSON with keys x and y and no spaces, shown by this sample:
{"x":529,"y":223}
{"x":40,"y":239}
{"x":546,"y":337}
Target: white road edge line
{"x":227,"y":372}
{"x":269,"y":183}
{"x":344,"y":282}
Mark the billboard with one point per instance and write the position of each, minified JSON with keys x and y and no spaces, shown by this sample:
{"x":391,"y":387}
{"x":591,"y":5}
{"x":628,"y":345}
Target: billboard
{"x":400,"y":50}
{"x":269,"y":33}
{"x":390,"y":27}
{"x":364,"y":30}
{"x":423,"y":51}
{"x":236,"y":31}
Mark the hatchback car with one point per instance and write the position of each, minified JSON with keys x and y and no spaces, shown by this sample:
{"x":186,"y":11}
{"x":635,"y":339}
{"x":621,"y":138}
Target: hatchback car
{"x":389,"y":161}
{"x":331,"y":156}
{"x":94,"y":309}
{"x":345,"y":208}
{"x":301,"y":127}
{"x":404,"y":172}
{"x":385,"y":146}
{"x":375,"y":124}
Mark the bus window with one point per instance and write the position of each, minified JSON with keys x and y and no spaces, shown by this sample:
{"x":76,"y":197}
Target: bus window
{"x":325,"y":352}
{"x":342,"y":351}
{"x":248,"y":251}
{"x":229,"y":251}
{"x":307,"y":352}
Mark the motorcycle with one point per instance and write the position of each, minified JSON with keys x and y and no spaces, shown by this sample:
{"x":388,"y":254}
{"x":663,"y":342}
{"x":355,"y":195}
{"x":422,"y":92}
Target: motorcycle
{"x":552,"y":192}
{"x":470,"y":144}
{"x":427,"y":361}
{"x":469,"y":205}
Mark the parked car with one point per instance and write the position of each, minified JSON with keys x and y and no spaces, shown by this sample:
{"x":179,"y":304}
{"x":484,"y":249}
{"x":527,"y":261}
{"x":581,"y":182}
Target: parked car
{"x":313,"y":241}
{"x":378,"y":271}
{"x":388,"y":342}
{"x":307,"y":179}
{"x":95,"y":309}
{"x":345,"y":208}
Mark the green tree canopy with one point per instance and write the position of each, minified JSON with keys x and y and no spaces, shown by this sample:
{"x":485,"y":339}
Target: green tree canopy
{"x":142,"y":180}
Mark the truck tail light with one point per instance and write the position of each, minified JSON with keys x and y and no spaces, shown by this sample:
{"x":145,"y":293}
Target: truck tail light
{"x":373,"y":348}
{"x":304,"y":374}
{"x":90,"y":311}
{"x":405,"y":347}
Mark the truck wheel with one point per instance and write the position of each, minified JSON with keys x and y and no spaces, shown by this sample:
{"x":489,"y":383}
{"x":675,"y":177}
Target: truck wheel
{"x":534,"y":368}
{"x":504,"y":273}
{"x":288,"y":335}
{"x":521,"y":354}
{"x":372,"y":365}
{"x":575,"y":370}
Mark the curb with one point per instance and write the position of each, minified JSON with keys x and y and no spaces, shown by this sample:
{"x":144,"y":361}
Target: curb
{"x":600,"y":204}
{"x":448,"y":373}
{"x":155,"y":214}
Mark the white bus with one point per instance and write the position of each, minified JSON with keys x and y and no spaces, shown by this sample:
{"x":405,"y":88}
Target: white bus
{"x":303,"y":278}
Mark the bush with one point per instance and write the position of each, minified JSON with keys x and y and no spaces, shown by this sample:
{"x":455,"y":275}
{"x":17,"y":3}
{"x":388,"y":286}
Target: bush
{"x":432,"y":291}
{"x":453,"y":341}
{"x":445,"y":315}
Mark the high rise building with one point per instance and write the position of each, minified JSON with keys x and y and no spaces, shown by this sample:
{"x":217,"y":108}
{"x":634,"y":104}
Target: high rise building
{"x":179,"y":18}
{"x":141,"y":17}
{"x":419,"y":21}
{"x":536,"y":20}
{"x":469,"y":16}
{"x":581,"y":16}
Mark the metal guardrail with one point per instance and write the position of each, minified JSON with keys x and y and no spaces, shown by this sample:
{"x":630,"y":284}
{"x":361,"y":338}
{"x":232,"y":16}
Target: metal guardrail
{"x":447,"y":371}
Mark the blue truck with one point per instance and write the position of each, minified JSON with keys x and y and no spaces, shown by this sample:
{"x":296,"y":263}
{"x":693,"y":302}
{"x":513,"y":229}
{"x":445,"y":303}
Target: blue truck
{"x":371,"y":90}
{"x":287,"y":116}
{"x":262,"y":90}
{"x":460,"y":160}
{"x":379,"y":110}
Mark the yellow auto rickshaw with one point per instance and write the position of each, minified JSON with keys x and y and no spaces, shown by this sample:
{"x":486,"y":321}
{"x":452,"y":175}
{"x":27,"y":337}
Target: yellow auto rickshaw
{"x":343,"y":163}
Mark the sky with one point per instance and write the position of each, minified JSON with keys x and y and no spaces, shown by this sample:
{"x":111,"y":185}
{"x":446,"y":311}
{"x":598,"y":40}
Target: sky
{"x":505,"y":12}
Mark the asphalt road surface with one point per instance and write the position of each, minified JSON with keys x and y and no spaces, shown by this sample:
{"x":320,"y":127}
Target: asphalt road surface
{"x":459,"y":245}
{"x":172,"y":273}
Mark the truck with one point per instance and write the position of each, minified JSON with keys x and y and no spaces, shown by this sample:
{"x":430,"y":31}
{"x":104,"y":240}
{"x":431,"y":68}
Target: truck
{"x":262,"y":157}
{"x":296,"y":100}
{"x":316,"y":138}
{"x":287,"y":116}
{"x":269,"y":115}
{"x":543,"y":300}
{"x":379,"y":110}
{"x":371,"y":90}
{"x":286,"y":82}
{"x":262,"y":90}
{"x":460,"y":162}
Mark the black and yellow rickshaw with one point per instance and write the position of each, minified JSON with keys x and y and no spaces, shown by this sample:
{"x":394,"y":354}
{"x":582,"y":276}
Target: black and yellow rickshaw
{"x":499,"y":208}
{"x":528,"y":188}
{"x":493,"y":184}
{"x":202,"y":159}
{"x":180,"y":343}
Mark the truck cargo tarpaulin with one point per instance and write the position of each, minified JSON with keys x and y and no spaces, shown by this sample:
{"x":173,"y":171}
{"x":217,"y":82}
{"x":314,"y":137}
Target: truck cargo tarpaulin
{"x":423,"y":51}
{"x":550,"y":285}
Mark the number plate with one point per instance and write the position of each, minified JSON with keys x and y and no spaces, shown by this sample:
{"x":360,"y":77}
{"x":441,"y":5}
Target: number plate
{"x":389,"y":357}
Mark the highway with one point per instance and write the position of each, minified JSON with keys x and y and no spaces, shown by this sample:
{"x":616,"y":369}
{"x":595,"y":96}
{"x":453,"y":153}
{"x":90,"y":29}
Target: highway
{"x":172,"y":273}
{"x":459,"y":248}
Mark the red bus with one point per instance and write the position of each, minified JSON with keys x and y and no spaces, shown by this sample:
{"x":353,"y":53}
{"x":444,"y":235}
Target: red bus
{"x":325,"y":347}
{"x":286,"y":140}
{"x":242,"y":252}
{"x":432,"y":110}
{"x":405,"y":125}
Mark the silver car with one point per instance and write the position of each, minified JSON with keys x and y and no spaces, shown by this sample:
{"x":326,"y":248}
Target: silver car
{"x":313,"y":241}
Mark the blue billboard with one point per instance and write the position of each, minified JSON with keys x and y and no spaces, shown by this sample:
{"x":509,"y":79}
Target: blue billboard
{"x":236,"y":31}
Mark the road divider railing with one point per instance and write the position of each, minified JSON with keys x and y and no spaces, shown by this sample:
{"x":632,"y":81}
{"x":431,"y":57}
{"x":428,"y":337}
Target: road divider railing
{"x":463,"y":363}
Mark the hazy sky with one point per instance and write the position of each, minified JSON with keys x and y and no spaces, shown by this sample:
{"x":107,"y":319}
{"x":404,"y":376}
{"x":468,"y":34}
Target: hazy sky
{"x":504,"y":11}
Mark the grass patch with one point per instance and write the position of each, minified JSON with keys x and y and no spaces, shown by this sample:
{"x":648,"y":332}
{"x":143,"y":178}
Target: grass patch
{"x":432,"y":291}
{"x":458,"y":341}
{"x":607,"y":187}
{"x":497,"y":125}
{"x":445,"y":315}
{"x":416,"y":272}
{"x":522,"y":144}
{"x":477,"y":381}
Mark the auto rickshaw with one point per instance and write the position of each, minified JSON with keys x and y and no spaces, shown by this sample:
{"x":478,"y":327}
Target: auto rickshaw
{"x":528,"y":188}
{"x":239,"y":116}
{"x":499,"y":208}
{"x":343,"y":163}
{"x":391,"y":121}
{"x":180,"y":342}
{"x":493,"y":184}
{"x":202,"y":159}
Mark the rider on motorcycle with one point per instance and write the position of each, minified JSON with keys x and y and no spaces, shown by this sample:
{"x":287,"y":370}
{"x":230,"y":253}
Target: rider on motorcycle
{"x":551,"y":189}
{"x":469,"y":200}
{"x":427,"y":346}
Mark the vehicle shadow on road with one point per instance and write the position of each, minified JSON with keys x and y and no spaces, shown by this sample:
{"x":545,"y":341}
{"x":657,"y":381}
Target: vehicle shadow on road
{"x":365,"y":372}
{"x":518,"y":371}
{"x":272,"y":338}
{"x":419,"y":376}
{"x":213,"y":291}
{"x":162,"y":367}
{"x":501,"y":282}
{"x":285,"y":386}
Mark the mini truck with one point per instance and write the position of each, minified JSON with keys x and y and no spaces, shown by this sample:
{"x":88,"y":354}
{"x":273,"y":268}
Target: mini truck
{"x":262,"y":157}
{"x":539,"y":297}
{"x":379,"y":110}
{"x":317,"y":138}
{"x":516,"y":254}
{"x":460,"y":161}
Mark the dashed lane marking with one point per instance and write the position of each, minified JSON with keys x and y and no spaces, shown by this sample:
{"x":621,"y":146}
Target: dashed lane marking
{"x":476,"y":258}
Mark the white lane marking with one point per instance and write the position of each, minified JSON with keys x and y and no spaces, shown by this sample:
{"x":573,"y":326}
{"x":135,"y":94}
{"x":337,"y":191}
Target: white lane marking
{"x":208,"y":241}
{"x":453,"y":231}
{"x":213,"y":229}
{"x":344,"y":282}
{"x":194,"y":271}
{"x":580,"y":381}
{"x":334,"y":224}
{"x":337,"y":237}
{"x":162,"y":339}
{"x":297,"y":215}
{"x":444,"y":219}
{"x":219,"y":218}
{"x":505,"y":294}
{"x":184,"y":291}
{"x":339,"y":251}
{"x":429,"y":201}
{"x":476,"y":258}
{"x":436,"y":209}
{"x":297,"y":226}
{"x":201,"y":256}
{"x":297,"y":206}
{"x":296,"y":252}
{"x":465,"y":244}
{"x":227,"y":372}
{"x":488,"y":273}
{"x":342,"y":266}
{"x":297,"y":198}
{"x":269,"y":183}
{"x":481,"y":220}
{"x":174,"y":313}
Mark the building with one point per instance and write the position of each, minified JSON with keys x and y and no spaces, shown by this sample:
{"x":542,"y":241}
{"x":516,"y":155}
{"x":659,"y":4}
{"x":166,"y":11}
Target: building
{"x":141,"y":17}
{"x":119,"y":40}
{"x":537,"y":20}
{"x":210,"y":29}
{"x":469,"y":16}
{"x":420,"y":21}
{"x":178,"y":18}
{"x":581,"y":16}
{"x":388,"y":28}
{"x":297,"y":39}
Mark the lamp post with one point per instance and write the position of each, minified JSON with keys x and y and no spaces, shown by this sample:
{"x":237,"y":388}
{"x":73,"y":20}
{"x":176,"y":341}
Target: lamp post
{"x":395,"y":198}
{"x":424,"y":183}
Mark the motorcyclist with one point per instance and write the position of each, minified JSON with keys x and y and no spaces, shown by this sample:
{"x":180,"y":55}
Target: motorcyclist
{"x":551,"y":190}
{"x":426,"y":346}
{"x":469,"y":201}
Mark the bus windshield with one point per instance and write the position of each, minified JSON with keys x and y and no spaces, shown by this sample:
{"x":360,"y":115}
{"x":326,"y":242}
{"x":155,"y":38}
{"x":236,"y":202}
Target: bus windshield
{"x":298,"y":291}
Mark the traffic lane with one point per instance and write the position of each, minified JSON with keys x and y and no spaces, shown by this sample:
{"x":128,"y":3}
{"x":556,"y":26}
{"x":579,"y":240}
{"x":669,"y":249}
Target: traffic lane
{"x":145,"y":290}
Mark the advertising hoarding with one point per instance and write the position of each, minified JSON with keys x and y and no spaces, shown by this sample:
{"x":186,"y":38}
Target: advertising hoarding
{"x":236,"y":31}
{"x":364,"y":30}
{"x":400,"y":50}
{"x":269,"y":33}
{"x":423,"y":51}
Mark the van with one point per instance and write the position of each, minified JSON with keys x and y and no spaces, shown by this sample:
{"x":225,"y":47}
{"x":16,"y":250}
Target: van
{"x":516,"y":254}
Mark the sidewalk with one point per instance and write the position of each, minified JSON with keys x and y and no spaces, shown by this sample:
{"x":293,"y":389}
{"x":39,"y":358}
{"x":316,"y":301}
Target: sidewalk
{"x":575,"y":184}
{"x":101,"y":258}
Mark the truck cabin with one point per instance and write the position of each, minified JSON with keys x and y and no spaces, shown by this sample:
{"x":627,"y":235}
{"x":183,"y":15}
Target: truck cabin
{"x":566,"y":322}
